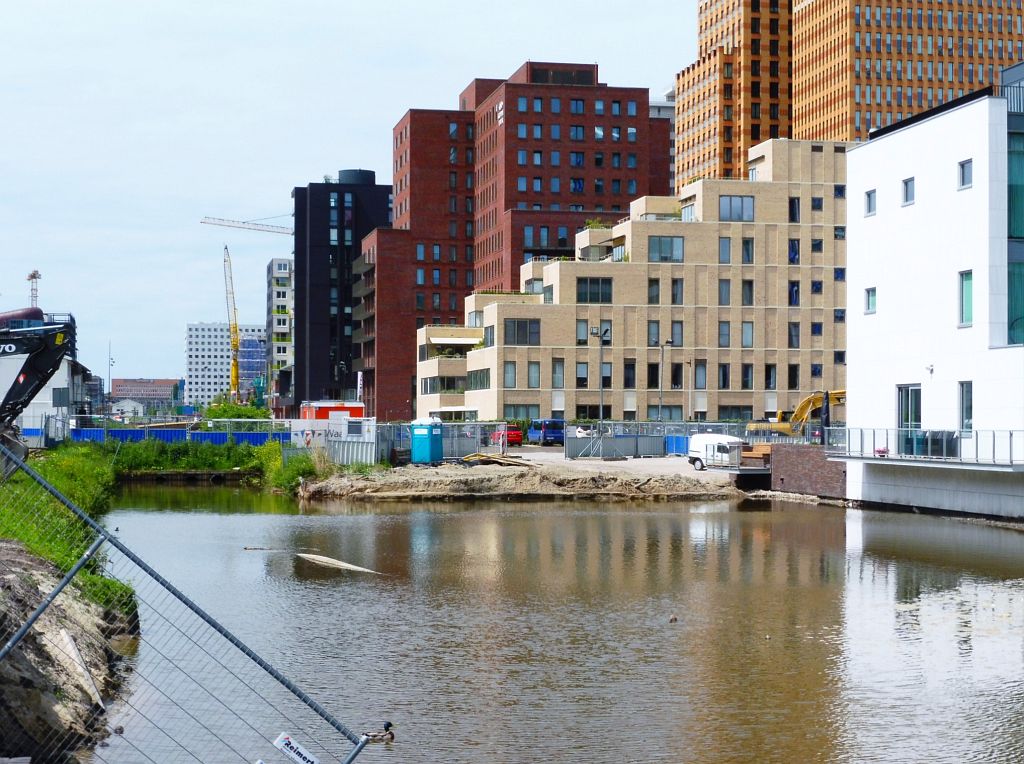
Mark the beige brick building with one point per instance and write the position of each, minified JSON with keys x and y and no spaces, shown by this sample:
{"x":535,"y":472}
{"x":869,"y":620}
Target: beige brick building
{"x":726,"y":303}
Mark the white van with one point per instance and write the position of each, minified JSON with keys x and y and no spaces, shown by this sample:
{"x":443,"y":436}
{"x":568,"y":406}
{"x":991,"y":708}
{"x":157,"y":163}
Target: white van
{"x":712,"y":448}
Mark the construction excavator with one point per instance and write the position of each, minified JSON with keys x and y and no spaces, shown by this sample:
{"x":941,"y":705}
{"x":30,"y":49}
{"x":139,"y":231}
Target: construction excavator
{"x":31,"y":351}
{"x":804,"y":411}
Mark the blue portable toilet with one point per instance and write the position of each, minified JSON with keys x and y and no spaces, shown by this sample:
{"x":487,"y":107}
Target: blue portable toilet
{"x":427,"y":441}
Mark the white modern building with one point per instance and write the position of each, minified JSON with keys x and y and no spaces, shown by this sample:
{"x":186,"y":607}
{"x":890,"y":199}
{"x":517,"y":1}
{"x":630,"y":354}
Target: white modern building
{"x":935,"y":382}
{"x":280,"y":329}
{"x":208,"y":359}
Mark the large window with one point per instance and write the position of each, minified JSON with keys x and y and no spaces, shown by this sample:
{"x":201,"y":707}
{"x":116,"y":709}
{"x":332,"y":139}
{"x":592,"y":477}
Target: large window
{"x":665,"y":249}
{"x":736,"y":208}
{"x":700,"y":375}
{"x":522,"y":331}
{"x":653,"y":333}
{"x":724,"y":291}
{"x":724,"y":250}
{"x":533,"y":374}
{"x":747,"y":292}
{"x":794,"y":335}
{"x":510,"y":374}
{"x":478,"y":379}
{"x":557,"y":373}
{"x":593,"y":290}
{"x":748,"y":251}
{"x":581,"y":374}
{"x":653,"y":291}
{"x":966,"y":298}
{"x":747,"y":334}
{"x":629,"y":373}
{"x":724,"y":332}
{"x":582,"y":331}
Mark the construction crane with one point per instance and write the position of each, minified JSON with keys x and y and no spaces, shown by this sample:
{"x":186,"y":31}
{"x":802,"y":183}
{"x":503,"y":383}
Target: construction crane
{"x":229,"y":291}
{"x":252,"y":226}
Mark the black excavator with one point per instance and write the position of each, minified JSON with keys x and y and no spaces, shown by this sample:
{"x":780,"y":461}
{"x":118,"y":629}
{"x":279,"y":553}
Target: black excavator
{"x":31,"y":351}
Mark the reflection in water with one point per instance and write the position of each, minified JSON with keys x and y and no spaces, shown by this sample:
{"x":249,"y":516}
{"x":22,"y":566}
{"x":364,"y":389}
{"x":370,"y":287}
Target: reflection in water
{"x":803,"y":634}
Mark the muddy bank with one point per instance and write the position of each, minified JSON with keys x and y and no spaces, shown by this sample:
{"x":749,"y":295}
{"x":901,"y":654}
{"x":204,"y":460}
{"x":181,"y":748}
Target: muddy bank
{"x":44,"y":696}
{"x":458,"y":482}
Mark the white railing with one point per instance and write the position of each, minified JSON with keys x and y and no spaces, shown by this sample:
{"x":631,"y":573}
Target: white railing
{"x":982,"y":447}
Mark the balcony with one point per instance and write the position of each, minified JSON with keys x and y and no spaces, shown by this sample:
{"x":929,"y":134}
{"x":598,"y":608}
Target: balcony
{"x":994,"y":450}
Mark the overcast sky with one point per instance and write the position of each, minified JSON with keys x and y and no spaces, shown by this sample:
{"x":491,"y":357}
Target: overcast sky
{"x":122,"y":124}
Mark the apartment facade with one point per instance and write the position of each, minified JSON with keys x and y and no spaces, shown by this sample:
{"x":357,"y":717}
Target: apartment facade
{"x":554,"y":148}
{"x":728,"y":303}
{"x":419,"y":271}
{"x":935,"y":409}
{"x":208,"y":360}
{"x":280,"y":327}
{"x":331,"y":219}
{"x":830,"y":70}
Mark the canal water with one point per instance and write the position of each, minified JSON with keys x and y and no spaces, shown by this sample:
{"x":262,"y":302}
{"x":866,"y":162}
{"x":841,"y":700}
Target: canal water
{"x":541,"y":632}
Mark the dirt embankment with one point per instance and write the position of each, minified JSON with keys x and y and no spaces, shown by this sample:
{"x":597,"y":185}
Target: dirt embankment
{"x":459,"y":482}
{"x":43,"y":694}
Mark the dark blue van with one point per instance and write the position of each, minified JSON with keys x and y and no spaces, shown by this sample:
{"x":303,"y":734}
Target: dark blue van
{"x":545,"y":431}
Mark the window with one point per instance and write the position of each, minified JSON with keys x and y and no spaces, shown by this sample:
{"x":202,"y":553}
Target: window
{"x":653,"y":376}
{"x":653,"y":334}
{"x":817,"y":203}
{"x":748,"y":251}
{"x":653,"y":291}
{"x":793,"y":335}
{"x":576,"y":132}
{"x":582,"y":331}
{"x":510,"y":374}
{"x":576,"y":159}
{"x":606,"y":331}
{"x":724,"y":330}
{"x":421,"y":276}
{"x":908,"y":191}
{"x":665,"y":249}
{"x":677,"y":291}
{"x":770,"y":377}
{"x":817,"y":246}
{"x":700,"y":375}
{"x":794,"y":251}
{"x":736,"y":208}
{"x":747,"y":376}
{"x":557,"y":373}
{"x":794,"y":209}
{"x":723,"y":376}
{"x":521,"y":103}
{"x":965,"y":174}
{"x":594,"y":290}
{"x":747,"y":292}
{"x":522,"y":331}
{"x":869,"y":202}
{"x":629,"y":374}
{"x":533,"y":374}
{"x":839,"y":357}
{"x":724,"y":291}
{"x":966,"y":298}
{"x":793,"y":376}
{"x":967,"y":406}
{"x":839,"y":315}
{"x":793,"y":292}
{"x":817,"y":329}
{"x":724,"y":250}
{"x":839,"y":191}
{"x":576,"y":106}
{"x":677,"y":334}
{"x":581,"y":374}
{"x":839,"y":232}
{"x":816,"y":369}
{"x":869,"y":299}
{"x":747,"y":334}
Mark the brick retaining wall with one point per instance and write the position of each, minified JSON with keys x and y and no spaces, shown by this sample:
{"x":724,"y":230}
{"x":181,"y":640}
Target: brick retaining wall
{"x":804,"y":469}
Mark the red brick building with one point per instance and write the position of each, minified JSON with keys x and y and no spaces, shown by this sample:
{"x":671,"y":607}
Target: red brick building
{"x":508,"y":177}
{"x":556,"y":147}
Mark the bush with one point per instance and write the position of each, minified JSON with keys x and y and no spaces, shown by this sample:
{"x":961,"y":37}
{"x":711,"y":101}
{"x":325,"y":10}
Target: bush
{"x":289,"y":476}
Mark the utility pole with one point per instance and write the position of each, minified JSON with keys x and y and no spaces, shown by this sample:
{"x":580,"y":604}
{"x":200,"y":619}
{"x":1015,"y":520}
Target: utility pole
{"x":34,"y":277}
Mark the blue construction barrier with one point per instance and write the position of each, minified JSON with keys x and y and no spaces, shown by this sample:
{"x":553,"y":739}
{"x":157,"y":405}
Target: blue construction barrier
{"x":88,"y":435}
{"x":677,"y":444}
{"x":217,"y":438}
{"x":169,"y":436}
{"x":98,"y":435}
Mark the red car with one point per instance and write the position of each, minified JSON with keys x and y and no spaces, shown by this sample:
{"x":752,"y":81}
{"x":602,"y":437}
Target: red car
{"x":514,"y":434}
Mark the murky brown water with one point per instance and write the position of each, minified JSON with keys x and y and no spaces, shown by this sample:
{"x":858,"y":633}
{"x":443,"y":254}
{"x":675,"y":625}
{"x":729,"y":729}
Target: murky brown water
{"x":514,"y":633}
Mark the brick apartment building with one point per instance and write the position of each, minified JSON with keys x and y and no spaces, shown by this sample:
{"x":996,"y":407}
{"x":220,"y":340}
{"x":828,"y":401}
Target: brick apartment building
{"x":331,"y":219}
{"x":508,"y":177}
{"x":156,"y":391}
{"x":828,"y":70}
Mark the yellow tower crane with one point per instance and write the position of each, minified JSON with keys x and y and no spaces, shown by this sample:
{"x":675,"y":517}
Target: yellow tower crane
{"x":229,"y":290}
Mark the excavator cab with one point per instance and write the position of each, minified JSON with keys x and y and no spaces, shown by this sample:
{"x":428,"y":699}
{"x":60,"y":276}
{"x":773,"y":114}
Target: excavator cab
{"x":29,"y":357}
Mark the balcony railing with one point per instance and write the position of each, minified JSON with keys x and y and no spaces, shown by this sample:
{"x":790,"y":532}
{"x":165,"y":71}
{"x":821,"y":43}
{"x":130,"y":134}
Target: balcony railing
{"x":984,"y":448}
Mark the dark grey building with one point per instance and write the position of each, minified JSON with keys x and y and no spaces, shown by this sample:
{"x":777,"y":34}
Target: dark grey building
{"x":331,"y":218}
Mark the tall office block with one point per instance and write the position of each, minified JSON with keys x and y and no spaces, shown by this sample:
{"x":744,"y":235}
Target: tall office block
{"x":829,"y":70}
{"x":858,"y":67}
{"x":331,"y":218}
{"x":737,"y":93}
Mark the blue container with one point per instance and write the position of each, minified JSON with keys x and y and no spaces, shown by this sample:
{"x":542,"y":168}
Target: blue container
{"x":427,"y":444}
{"x":677,"y":444}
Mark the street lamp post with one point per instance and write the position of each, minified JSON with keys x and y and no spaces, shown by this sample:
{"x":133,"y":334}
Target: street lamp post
{"x":110,"y":382}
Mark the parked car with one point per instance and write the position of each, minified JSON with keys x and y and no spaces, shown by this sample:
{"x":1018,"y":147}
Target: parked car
{"x":513,"y":433}
{"x":545,"y":431}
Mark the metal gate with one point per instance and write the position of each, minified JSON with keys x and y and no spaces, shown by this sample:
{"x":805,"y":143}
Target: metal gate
{"x":98,"y":617}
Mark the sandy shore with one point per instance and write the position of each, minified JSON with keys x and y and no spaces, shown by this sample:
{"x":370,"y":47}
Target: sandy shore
{"x":540,"y":473}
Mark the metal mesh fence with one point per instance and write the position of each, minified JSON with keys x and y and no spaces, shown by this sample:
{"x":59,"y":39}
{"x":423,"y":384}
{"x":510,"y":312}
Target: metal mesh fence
{"x":120,"y":666}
